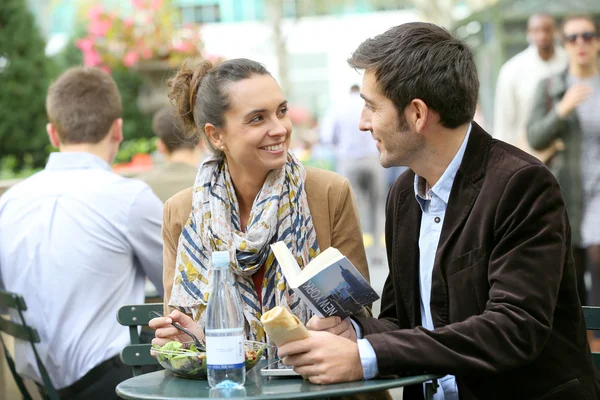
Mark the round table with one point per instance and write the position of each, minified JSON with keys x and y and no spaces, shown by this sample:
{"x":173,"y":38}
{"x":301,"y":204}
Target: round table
{"x":164,"y":385}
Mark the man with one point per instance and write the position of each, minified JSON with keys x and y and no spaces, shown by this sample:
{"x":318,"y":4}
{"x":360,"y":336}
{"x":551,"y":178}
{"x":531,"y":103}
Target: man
{"x":182,"y":153}
{"x":481,"y":283}
{"x":518,"y":79}
{"x":77,"y":240}
{"x":356,"y":160}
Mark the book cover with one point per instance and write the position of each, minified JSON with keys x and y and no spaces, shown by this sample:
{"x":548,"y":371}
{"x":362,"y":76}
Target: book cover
{"x":330,"y":285}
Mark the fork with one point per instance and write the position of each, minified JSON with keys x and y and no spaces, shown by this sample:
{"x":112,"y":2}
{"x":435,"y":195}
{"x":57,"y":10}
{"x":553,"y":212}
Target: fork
{"x":201,"y":346}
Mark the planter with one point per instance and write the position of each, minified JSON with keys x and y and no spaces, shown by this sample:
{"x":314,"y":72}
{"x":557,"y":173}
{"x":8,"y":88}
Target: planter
{"x":154,"y":93}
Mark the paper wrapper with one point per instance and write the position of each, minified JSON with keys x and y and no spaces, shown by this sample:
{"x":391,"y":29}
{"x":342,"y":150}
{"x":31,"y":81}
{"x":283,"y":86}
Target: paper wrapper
{"x":282,"y":326}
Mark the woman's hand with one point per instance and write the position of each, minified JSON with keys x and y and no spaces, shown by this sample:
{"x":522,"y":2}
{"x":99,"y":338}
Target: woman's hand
{"x":165,"y":332}
{"x":575,"y":95}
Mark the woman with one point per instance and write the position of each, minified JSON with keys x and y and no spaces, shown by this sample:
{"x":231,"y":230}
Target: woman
{"x":251,"y":194}
{"x":567,"y":107}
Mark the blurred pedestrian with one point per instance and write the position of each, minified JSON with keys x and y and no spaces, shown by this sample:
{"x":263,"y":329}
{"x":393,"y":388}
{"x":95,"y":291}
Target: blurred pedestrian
{"x":567,"y":107}
{"x":518,"y":79}
{"x":77,"y":241}
{"x":182,"y":152}
{"x":357,"y":158}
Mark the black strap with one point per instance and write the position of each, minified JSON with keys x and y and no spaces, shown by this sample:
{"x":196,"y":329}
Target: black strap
{"x":13,"y":370}
{"x":49,"y":387}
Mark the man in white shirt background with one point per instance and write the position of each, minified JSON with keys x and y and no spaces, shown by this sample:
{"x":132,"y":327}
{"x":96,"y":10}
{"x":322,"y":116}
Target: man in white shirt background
{"x":77,"y":242}
{"x":519,"y":78}
{"x":357,"y":159}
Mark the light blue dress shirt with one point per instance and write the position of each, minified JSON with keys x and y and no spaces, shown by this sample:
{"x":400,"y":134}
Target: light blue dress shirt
{"x":433,"y":202}
{"x":77,"y":241}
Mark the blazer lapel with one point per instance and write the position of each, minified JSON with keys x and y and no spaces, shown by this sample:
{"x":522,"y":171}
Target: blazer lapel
{"x":465,"y":189}
{"x":406,"y":249}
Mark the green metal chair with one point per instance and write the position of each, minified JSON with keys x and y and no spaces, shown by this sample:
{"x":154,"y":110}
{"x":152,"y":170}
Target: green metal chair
{"x":23,"y":332}
{"x":137,"y":354}
{"x":592,"y":323}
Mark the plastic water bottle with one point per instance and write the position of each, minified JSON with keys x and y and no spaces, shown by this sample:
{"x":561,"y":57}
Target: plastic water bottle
{"x":225,"y":354}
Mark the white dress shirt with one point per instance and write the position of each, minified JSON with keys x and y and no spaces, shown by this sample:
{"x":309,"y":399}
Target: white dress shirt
{"x":433,"y":202}
{"x":340,"y":129}
{"x":76,"y":241}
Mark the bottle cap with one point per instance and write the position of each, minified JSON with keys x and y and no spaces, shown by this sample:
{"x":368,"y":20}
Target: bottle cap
{"x":220,"y":258}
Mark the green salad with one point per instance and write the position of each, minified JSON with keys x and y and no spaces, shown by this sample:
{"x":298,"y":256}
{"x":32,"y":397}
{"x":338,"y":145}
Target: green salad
{"x":182,"y":360}
{"x":185,"y":360}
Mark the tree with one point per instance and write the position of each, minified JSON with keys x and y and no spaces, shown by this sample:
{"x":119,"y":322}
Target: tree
{"x":25,"y":73}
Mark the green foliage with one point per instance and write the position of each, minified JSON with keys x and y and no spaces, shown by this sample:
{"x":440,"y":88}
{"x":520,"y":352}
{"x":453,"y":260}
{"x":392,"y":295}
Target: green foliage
{"x":135,"y":123}
{"x":131,"y":147}
{"x":24,"y":80}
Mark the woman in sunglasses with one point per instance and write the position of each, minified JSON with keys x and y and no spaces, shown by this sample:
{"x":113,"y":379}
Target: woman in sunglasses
{"x":567,"y":107}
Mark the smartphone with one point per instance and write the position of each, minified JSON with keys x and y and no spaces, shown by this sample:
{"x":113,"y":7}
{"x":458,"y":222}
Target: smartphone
{"x":277,"y":368}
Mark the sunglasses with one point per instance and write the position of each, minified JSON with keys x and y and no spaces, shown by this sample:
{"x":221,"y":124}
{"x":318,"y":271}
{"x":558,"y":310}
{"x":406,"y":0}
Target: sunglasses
{"x":586,"y":36}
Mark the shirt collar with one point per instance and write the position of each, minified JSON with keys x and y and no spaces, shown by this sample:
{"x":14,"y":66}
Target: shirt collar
{"x":535,"y":54}
{"x":75,"y":160}
{"x":444,"y":185}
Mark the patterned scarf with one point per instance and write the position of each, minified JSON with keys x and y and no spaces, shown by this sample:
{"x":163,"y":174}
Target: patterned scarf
{"x":280,"y":212}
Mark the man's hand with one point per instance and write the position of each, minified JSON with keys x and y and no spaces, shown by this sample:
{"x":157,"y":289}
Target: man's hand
{"x":335,"y":325}
{"x":323,"y":358}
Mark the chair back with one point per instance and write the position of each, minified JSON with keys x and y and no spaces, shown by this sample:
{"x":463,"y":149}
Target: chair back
{"x":592,"y":323}
{"x":137,"y":354}
{"x":20,"y":330}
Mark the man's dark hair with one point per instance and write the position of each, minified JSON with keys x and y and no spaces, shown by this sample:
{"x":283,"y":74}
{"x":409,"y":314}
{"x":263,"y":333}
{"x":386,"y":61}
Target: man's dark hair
{"x":167,"y":126}
{"x":82,"y":104}
{"x":423,"y":61}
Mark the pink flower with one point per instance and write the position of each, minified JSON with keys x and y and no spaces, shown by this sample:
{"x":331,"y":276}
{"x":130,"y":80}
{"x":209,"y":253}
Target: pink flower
{"x":99,"y":27}
{"x":184,"y":47}
{"x":146,"y":53}
{"x":91,"y":58}
{"x":95,"y":12}
{"x":105,"y":68}
{"x":156,"y":4}
{"x":85,"y":44}
{"x":130,"y":59}
{"x":138,"y":4}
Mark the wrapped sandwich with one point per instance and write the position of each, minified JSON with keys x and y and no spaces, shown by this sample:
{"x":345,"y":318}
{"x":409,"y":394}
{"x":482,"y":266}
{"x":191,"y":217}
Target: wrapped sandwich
{"x":282,"y":326}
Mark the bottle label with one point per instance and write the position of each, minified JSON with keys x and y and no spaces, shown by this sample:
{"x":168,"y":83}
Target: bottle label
{"x":225,"y":352}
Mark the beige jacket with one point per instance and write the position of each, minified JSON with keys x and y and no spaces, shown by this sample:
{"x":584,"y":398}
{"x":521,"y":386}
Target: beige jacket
{"x":331,"y":205}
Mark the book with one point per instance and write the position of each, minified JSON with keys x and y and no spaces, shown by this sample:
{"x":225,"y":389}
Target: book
{"x":329,"y":285}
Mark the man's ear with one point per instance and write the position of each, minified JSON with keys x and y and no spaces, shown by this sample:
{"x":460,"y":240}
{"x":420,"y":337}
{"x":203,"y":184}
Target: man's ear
{"x":116,"y":130}
{"x":160,"y":146}
{"x":52,"y":135}
{"x":419,"y":113}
